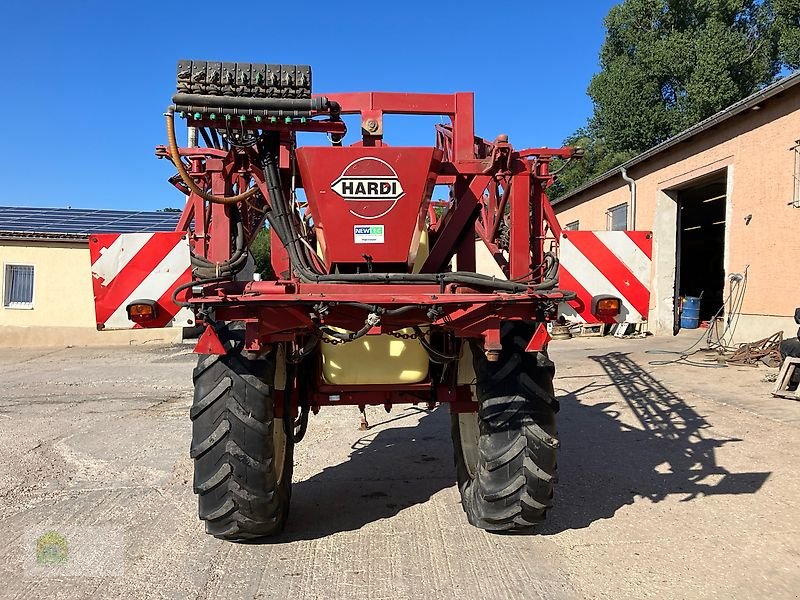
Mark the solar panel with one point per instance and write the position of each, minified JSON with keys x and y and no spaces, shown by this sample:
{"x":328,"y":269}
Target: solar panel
{"x":82,"y":221}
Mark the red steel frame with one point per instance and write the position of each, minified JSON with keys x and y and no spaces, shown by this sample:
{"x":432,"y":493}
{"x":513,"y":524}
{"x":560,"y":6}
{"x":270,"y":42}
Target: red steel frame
{"x":496,"y":192}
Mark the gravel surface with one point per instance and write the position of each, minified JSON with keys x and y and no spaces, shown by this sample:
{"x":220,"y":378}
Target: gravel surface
{"x":677,"y":481}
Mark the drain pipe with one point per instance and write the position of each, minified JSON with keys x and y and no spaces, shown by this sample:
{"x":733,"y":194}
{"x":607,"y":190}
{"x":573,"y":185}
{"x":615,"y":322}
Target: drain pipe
{"x":632,"y":185}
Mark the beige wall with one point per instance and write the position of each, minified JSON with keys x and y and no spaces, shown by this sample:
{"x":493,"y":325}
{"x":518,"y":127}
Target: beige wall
{"x":63,"y":300}
{"x":62,"y":294}
{"x":755,"y":148}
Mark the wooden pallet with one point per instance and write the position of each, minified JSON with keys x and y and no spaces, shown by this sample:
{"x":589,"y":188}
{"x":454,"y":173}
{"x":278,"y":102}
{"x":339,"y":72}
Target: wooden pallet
{"x":593,"y":329}
{"x":788,"y":369}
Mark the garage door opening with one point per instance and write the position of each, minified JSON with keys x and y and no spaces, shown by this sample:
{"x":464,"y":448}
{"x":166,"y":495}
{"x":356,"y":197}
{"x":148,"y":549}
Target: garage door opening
{"x":701,"y":243}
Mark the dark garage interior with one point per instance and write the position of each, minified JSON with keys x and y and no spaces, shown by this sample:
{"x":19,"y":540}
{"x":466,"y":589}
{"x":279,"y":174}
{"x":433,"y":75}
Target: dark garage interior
{"x":701,"y":243}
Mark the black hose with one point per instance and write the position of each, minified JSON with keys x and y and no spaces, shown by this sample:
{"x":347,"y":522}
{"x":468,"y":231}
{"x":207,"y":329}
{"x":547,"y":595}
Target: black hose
{"x":175,"y":156}
{"x":289,"y":238}
{"x":227,"y":270}
{"x":379,"y":310}
{"x":318,"y":104}
{"x":288,"y":421}
{"x":458,"y":277}
{"x":306,"y":350}
{"x":206,"y":138}
{"x":191,"y":284}
{"x":231,"y":266}
{"x":215,"y":139}
{"x":296,"y":430}
{"x":245,"y":112}
{"x":435,"y":356}
{"x":348,"y":336}
{"x":281,"y":220}
{"x":301,"y":424}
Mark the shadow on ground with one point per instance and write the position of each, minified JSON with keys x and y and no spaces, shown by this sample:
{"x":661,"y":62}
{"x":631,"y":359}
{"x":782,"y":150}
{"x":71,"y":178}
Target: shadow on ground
{"x":604,"y":464}
{"x":387,"y":471}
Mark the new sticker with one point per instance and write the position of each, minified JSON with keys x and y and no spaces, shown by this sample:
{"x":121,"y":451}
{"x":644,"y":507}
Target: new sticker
{"x":368,"y":234}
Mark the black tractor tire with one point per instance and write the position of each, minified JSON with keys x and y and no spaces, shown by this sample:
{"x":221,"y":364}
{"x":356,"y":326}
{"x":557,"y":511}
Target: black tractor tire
{"x":242,"y":456}
{"x":505,"y":454}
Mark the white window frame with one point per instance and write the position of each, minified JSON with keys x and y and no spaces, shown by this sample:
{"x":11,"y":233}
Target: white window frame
{"x":573,"y":225}
{"x":610,"y":216}
{"x":18,"y":305}
{"x":796,"y":176}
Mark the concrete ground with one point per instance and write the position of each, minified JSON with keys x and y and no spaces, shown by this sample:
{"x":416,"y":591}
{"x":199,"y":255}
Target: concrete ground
{"x":677,"y":481}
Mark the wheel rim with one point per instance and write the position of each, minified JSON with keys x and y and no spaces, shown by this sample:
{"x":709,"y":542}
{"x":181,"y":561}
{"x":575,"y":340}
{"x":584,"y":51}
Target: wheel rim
{"x":278,"y":448}
{"x":469,"y":432}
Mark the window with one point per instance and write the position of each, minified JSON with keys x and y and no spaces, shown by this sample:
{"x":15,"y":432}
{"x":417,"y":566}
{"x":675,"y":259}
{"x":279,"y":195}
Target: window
{"x":18,"y":286}
{"x":796,"y":186}
{"x":574,"y":226}
{"x":618,"y":217}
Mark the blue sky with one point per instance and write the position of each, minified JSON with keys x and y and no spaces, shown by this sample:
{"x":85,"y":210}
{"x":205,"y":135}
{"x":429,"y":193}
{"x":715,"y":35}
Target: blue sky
{"x":86,"y":83}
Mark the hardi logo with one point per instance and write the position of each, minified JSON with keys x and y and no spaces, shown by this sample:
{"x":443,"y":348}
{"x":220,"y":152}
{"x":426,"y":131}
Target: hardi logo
{"x":371,"y":187}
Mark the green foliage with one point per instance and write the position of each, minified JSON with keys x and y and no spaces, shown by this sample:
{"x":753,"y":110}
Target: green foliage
{"x":597,"y":159}
{"x":787,"y":24}
{"x":668,"y":64}
{"x":260,"y":250}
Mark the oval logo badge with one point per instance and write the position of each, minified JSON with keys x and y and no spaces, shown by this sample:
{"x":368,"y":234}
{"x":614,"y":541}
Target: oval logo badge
{"x":370,"y":186}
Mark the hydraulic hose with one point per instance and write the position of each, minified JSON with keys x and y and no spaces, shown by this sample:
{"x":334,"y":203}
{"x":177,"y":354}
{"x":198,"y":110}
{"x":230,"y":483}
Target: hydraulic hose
{"x":371,"y":321}
{"x":290,"y":239}
{"x":191,"y":284}
{"x":205,"y":268}
{"x":280,"y":219}
{"x":300,"y":425}
{"x":187,"y":179}
{"x":317,"y":104}
{"x":389,"y":312}
{"x":206,"y":137}
{"x":435,"y":356}
{"x":309,"y":347}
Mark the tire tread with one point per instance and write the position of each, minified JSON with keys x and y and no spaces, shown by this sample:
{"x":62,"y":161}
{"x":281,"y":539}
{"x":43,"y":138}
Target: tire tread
{"x":512,"y":489}
{"x":239,"y":497}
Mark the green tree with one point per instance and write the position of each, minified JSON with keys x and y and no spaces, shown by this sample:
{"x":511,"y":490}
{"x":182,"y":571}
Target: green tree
{"x":787,"y":22}
{"x":260,"y":248}
{"x":667,"y":64}
{"x":597,"y":158}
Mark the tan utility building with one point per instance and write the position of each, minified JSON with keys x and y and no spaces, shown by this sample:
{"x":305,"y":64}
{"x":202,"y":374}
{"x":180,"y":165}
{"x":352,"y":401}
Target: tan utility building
{"x":46,"y":281}
{"x":723,"y":202}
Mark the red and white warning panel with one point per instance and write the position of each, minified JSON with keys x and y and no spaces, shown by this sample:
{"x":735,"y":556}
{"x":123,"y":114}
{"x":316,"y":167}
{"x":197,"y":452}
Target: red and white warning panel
{"x":606,"y":264}
{"x":140,"y":268}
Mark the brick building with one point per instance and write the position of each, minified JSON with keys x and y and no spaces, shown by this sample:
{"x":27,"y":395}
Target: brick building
{"x":723,"y":201}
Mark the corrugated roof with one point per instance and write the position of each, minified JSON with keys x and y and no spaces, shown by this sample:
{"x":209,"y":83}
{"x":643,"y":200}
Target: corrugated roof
{"x":79,"y":223}
{"x":743,"y":105}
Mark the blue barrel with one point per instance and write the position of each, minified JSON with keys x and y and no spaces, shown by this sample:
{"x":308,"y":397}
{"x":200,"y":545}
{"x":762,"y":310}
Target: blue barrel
{"x":690,"y":312}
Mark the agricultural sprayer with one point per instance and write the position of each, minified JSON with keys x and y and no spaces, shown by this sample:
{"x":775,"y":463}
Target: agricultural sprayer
{"x":381,"y":295}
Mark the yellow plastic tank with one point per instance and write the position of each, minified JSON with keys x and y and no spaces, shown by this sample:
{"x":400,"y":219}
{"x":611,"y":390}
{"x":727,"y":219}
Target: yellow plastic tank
{"x":375,"y":359}
{"x":378,"y":359}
